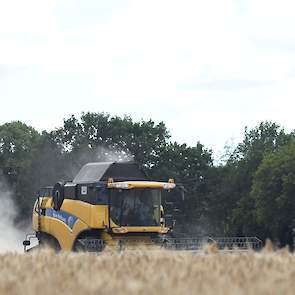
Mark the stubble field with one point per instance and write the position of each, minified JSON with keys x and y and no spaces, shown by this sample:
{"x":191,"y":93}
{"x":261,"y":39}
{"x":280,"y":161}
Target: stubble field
{"x":148,"y":272}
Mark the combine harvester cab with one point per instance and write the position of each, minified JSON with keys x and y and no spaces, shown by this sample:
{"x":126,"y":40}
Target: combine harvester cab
{"x":114,"y":205}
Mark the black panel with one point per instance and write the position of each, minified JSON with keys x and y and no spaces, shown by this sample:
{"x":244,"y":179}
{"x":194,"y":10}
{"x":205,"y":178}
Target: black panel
{"x":70,"y":190}
{"x":93,"y":193}
{"x":121,"y":171}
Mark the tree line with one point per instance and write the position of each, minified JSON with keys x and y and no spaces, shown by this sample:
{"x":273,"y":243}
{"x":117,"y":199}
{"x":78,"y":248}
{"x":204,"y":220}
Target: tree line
{"x":251,"y":193}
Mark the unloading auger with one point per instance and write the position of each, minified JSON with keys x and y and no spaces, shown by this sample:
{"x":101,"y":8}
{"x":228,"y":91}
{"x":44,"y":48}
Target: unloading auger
{"x":114,"y":205}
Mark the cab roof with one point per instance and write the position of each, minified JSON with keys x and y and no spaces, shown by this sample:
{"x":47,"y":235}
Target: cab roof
{"x":102,"y":171}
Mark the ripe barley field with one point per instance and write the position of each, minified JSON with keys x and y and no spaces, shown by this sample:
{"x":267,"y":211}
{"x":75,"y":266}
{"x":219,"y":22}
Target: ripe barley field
{"x":148,"y":272}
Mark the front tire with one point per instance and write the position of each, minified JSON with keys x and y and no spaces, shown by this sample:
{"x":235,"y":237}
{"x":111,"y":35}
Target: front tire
{"x":47,"y":241}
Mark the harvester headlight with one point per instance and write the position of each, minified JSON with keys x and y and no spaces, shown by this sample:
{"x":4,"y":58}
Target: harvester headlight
{"x":169,"y":185}
{"x":119,"y":230}
{"x":120,"y":185}
{"x":164,"y":230}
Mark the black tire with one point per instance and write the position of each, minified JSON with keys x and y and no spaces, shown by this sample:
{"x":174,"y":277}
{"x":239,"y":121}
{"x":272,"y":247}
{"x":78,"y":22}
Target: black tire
{"x":47,"y":241}
{"x":88,"y":244}
{"x":89,"y":241}
{"x":58,"y":195}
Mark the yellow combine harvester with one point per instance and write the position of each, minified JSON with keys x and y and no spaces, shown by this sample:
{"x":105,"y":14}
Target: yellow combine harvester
{"x":106,"y":204}
{"x":114,"y":204}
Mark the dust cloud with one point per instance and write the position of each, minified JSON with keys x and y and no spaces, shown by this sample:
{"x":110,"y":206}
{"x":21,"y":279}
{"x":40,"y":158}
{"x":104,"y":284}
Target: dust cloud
{"x":98,"y":154}
{"x":10,"y":237}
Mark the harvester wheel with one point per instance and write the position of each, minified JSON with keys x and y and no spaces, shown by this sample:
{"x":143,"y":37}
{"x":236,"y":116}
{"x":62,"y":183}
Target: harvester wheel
{"x":47,"y":241}
{"x":89,"y":244}
{"x":58,"y":195}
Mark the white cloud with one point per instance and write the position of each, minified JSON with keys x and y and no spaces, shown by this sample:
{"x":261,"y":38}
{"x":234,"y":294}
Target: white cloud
{"x":194,"y":64}
{"x":30,"y":16}
{"x":270,"y":18}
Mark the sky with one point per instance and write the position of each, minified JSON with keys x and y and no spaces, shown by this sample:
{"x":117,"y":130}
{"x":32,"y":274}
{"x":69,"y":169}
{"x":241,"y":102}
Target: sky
{"x":205,"y":68}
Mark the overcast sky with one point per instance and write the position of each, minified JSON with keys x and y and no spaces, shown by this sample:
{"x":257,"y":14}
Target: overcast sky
{"x":205,"y":68}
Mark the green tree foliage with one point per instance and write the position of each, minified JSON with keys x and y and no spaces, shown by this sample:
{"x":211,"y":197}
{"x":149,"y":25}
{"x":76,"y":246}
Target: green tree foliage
{"x":273,"y":191}
{"x":18,"y":143}
{"x":28,"y":160}
{"x":98,"y":136}
{"x":18,"y":147}
{"x":266,"y":138}
{"x":189,"y":166}
{"x":230,"y":201}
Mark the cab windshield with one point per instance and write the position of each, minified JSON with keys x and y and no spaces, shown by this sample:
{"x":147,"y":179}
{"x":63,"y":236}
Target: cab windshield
{"x":135,"y":207}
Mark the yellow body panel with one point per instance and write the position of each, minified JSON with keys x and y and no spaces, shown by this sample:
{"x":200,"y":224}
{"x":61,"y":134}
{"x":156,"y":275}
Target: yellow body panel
{"x":59,"y":230}
{"x":64,"y":236}
{"x":88,"y":217}
{"x":95,"y":216}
